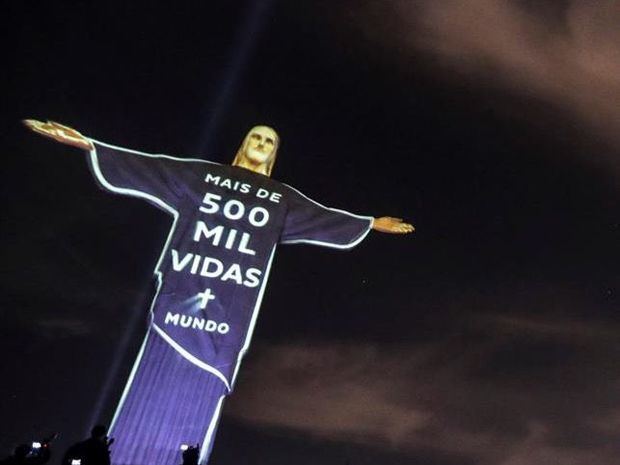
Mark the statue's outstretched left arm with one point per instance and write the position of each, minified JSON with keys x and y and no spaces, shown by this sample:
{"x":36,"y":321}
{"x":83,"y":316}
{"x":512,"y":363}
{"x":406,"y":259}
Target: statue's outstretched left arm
{"x":390,"y":225}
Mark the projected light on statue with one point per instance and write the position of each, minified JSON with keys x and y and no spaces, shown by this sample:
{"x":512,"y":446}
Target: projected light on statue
{"x":211,"y":275}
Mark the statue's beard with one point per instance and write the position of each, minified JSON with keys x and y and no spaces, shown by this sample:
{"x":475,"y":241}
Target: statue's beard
{"x":257,"y":156}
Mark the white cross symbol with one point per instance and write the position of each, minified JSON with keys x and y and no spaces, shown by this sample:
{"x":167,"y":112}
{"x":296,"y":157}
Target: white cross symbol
{"x":205,"y":297}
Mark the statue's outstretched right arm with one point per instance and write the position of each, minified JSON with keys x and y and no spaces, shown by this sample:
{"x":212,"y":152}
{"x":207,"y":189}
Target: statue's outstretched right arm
{"x":59,"y":133}
{"x":156,"y":178}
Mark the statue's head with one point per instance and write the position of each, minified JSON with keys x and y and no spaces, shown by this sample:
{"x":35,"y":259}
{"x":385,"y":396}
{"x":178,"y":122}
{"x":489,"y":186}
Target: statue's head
{"x":258,"y":151}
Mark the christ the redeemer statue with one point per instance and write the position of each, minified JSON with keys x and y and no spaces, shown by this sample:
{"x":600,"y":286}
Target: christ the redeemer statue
{"x":211,"y":276}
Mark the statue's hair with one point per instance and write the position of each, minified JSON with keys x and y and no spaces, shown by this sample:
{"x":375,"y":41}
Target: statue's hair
{"x":239,"y":154}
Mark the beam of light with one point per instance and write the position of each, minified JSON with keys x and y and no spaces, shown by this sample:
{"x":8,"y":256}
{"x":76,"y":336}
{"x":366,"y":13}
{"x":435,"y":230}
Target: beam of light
{"x":112,"y":375}
{"x":245,"y":42}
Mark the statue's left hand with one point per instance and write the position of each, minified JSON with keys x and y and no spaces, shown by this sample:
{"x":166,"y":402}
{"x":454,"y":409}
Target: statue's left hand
{"x":388,"y":224}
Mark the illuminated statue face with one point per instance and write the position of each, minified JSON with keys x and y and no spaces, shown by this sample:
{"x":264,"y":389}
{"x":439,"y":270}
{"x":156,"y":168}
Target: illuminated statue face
{"x":258,"y":151}
{"x":260,"y":144}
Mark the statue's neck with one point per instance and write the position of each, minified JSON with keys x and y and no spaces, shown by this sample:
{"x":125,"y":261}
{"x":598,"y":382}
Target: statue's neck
{"x":248,"y":165}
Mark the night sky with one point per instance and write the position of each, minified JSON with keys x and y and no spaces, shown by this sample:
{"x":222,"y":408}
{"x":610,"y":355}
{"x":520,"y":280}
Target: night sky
{"x":491,"y":336}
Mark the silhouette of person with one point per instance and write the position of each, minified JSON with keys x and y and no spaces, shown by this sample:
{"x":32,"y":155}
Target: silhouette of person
{"x":93,"y":451}
{"x":191,"y":455}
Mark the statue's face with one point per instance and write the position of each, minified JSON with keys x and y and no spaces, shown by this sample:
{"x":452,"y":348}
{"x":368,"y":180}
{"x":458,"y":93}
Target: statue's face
{"x":260,"y":145}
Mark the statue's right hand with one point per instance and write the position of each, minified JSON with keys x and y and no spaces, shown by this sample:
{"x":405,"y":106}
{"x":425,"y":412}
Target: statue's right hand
{"x":60,"y":133}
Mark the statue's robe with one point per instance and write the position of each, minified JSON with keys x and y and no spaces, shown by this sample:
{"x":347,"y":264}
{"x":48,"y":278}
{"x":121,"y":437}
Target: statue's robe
{"x":211,"y":277}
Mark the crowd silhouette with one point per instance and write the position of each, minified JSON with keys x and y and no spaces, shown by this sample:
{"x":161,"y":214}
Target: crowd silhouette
{"x":93,"y":451}
{"x":35,"y":453}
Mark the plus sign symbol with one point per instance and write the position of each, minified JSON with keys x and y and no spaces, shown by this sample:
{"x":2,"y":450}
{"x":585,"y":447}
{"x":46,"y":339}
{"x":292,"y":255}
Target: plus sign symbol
{"x":205,"y":297}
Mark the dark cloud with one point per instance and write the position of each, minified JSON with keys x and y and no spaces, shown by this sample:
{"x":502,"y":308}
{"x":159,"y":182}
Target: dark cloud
{"x":573,"y":62}
{"x":573,"y":331}
{"x":507,"y":391}
{"x":566,"y":54}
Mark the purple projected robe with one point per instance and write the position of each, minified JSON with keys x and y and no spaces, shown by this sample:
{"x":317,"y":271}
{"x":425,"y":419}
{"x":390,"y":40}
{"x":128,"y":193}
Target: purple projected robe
{"x":211,"y":278}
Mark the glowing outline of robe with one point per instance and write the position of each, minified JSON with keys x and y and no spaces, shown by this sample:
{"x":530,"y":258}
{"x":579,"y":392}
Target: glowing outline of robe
{"x":184,"y":353}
